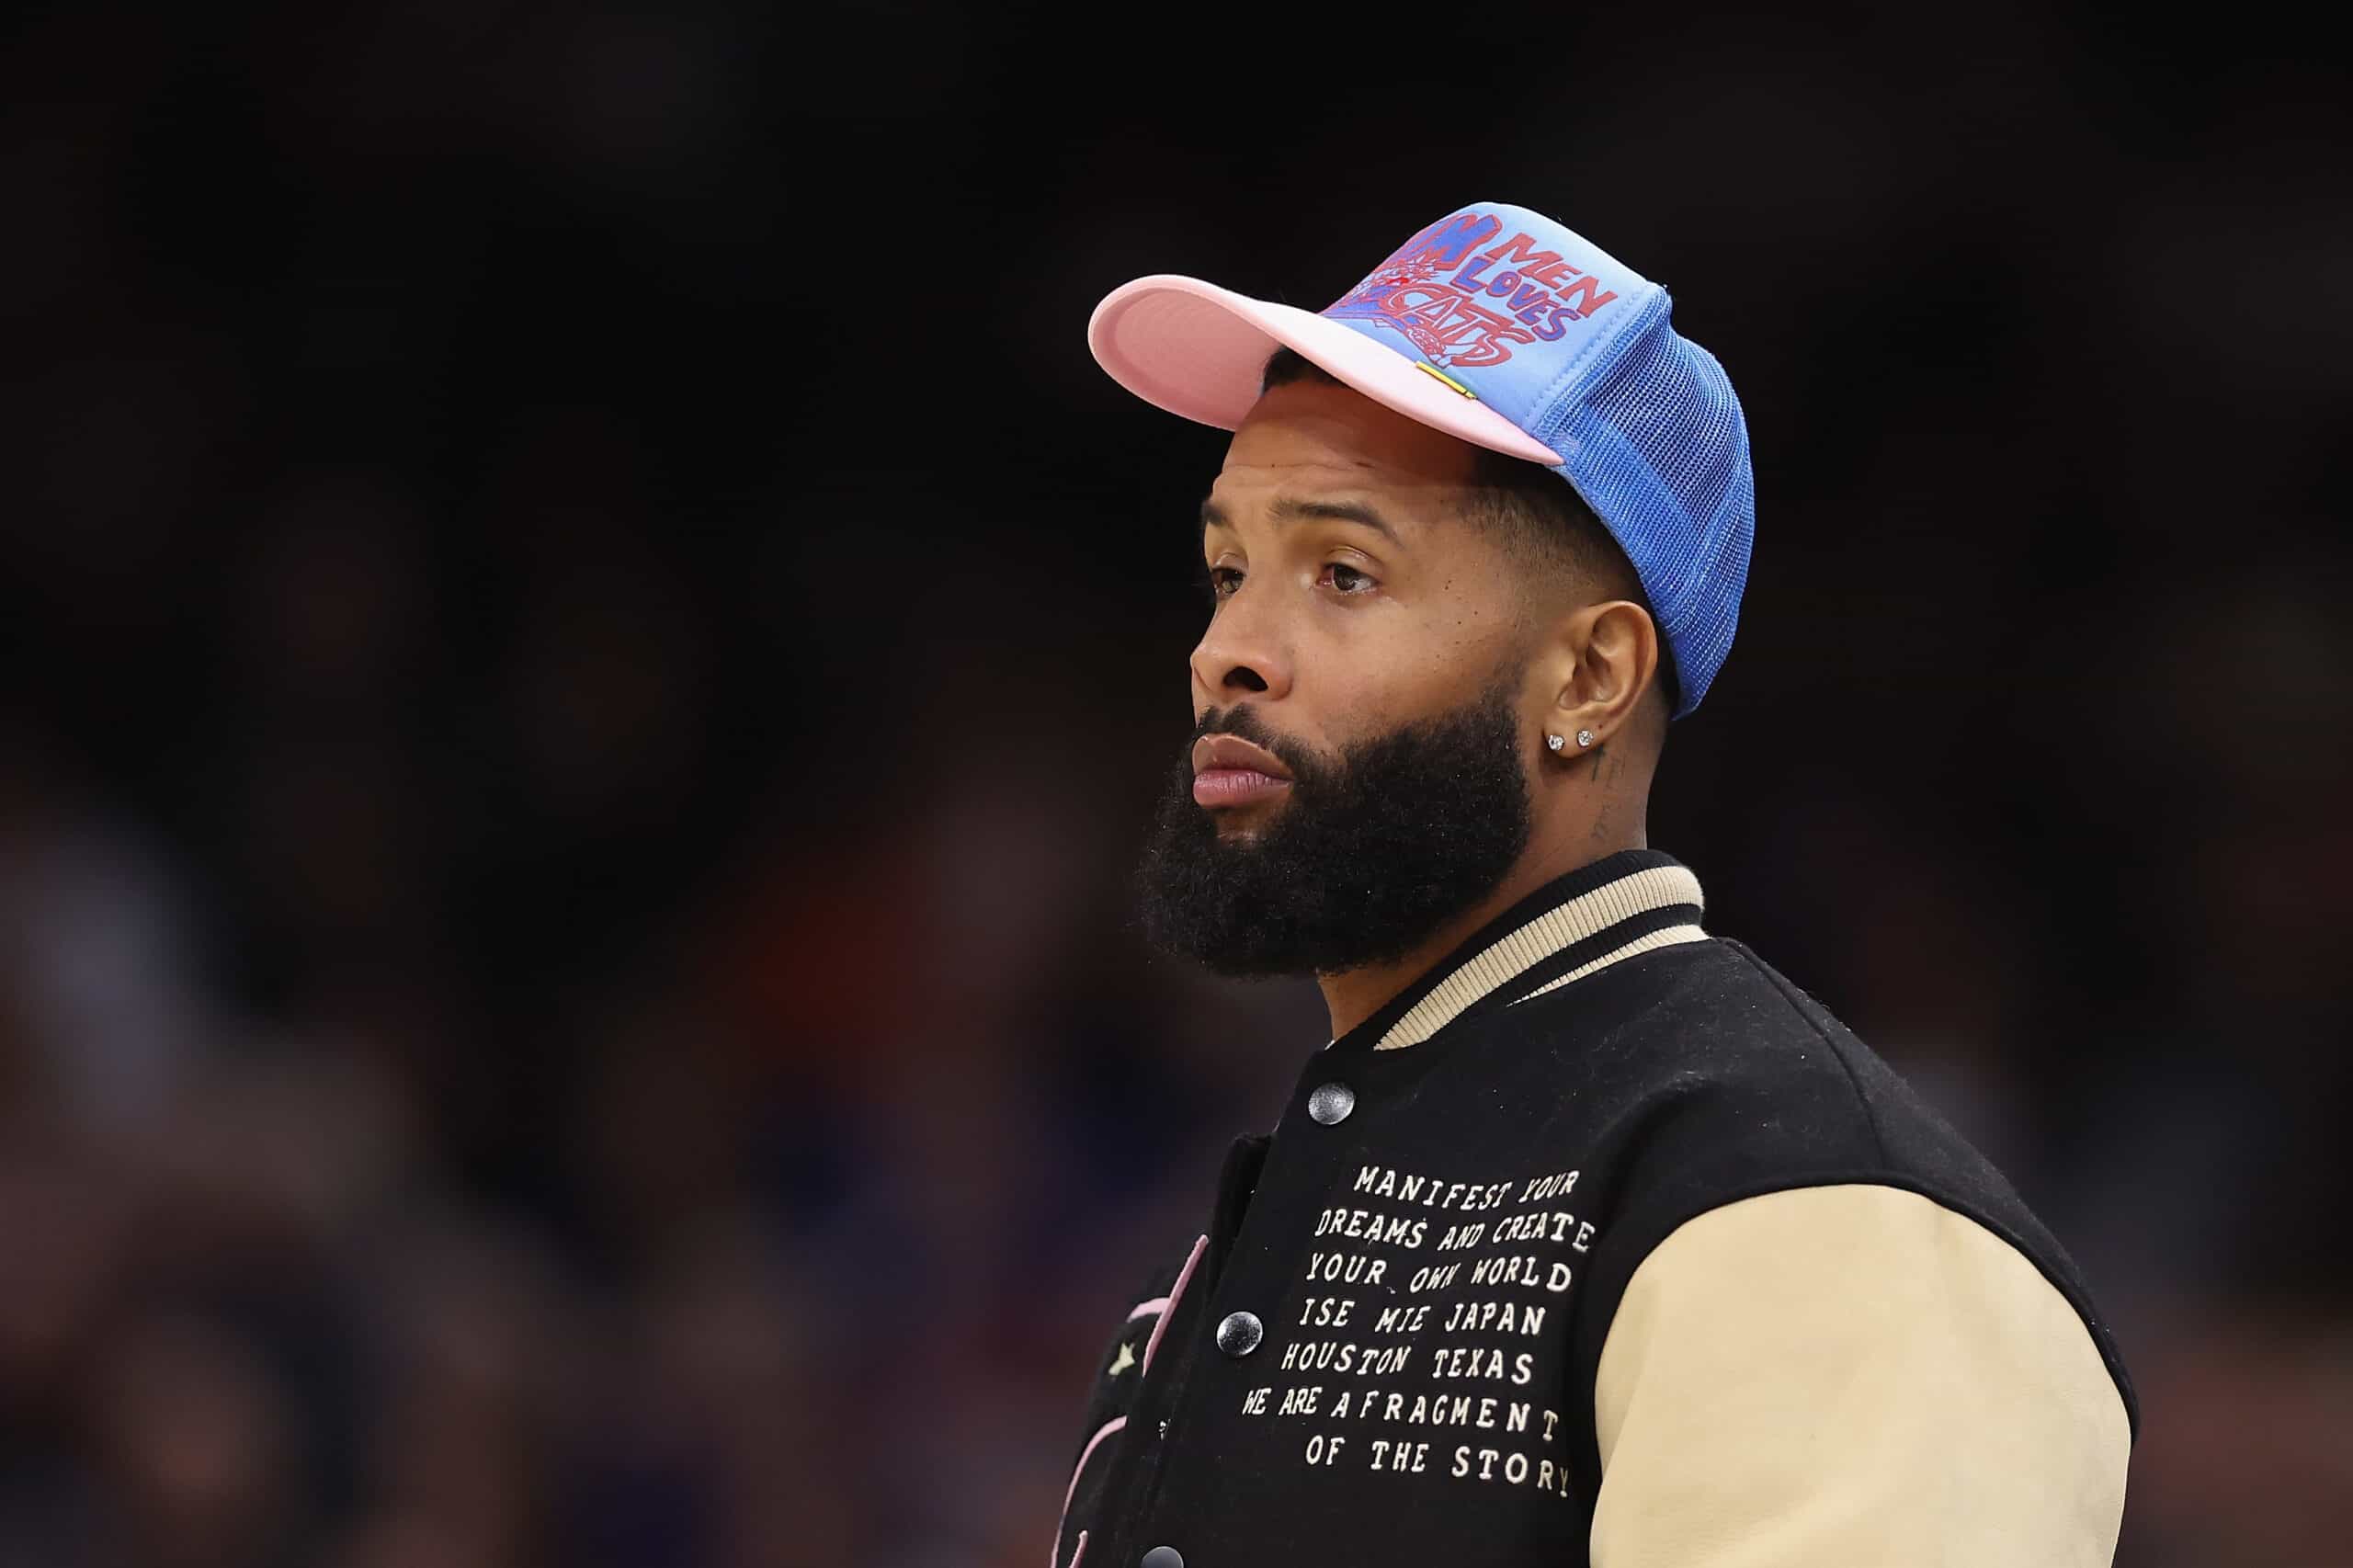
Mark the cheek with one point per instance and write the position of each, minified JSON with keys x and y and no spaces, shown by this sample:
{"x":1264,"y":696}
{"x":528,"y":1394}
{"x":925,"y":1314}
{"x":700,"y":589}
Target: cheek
{"x":1372,"y":686}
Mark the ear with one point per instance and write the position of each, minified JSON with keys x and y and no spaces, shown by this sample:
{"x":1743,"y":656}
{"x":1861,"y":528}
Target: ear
{"x":1608,"y":660}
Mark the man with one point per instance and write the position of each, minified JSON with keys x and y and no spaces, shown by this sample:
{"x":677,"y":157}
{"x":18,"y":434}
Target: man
{"x":1587,"y":1237}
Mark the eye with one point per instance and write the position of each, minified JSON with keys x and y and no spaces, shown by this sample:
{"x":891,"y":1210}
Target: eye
{"x":1347,"y":579}
{"x":1224,"y":580}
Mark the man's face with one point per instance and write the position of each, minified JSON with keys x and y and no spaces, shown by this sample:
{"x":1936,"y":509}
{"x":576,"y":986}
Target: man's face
{"x":1356,"y":775}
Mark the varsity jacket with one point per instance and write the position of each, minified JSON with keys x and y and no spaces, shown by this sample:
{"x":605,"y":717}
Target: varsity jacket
{"x":1605,"y":1244}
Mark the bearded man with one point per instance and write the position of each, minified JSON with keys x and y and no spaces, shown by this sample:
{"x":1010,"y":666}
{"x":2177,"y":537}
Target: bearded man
{"x":1587,"y":1237}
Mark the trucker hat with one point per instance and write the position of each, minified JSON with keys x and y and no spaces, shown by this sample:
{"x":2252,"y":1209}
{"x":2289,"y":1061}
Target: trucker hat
{"x":1501,"y":327}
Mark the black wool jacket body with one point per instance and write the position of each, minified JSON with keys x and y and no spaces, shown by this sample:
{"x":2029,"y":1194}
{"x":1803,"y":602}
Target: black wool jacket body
{"x":1605,"y":1244}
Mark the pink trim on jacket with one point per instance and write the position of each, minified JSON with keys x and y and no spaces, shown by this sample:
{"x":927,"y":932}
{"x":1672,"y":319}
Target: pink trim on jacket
{"x":1166,"y":1307}
{"x":1056,"y":1545}
{"x":1176,"y":1290}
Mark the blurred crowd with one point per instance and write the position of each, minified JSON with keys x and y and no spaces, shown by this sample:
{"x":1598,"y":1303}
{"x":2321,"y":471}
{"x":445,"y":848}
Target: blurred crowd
{"x":588,"y":655}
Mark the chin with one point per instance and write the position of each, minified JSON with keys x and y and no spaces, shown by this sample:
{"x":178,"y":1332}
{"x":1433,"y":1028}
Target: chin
{"x":1244,"y":821}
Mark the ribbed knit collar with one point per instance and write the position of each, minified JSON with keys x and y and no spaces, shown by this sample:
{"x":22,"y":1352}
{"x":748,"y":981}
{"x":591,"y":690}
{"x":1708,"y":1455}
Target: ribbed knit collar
{"x":1575,"y":926}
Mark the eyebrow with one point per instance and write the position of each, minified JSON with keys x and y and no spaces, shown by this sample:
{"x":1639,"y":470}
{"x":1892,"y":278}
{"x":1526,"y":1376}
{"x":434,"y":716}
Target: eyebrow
{"x":1293,"y":508}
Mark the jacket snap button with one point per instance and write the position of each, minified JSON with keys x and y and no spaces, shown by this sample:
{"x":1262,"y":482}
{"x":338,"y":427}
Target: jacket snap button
{"x":1237,"y":1335}
{"x":1162,"y":1557}
{"x":1331,"y":1104}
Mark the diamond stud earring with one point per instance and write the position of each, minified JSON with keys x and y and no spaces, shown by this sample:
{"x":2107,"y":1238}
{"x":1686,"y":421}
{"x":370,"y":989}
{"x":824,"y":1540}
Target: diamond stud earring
{"x":1552,"y":741}
{"x":1585,"y":737}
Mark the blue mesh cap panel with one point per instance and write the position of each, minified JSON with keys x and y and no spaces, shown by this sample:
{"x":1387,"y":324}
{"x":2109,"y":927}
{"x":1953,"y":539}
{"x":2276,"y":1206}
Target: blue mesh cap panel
{"x":1658,"y":448}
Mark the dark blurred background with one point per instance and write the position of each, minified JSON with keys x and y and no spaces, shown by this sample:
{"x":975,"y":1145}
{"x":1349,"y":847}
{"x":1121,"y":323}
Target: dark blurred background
{"x":589,"y":652}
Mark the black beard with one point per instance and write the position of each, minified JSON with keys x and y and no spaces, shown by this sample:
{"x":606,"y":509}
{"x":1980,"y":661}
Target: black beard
{"x":1369,"y":854}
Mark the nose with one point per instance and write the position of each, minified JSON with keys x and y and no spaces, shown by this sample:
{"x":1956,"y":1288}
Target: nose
{"x":1242,"y":653}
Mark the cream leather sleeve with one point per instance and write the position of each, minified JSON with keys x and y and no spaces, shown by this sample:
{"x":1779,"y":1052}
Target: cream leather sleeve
{"x":1852,"y":1377}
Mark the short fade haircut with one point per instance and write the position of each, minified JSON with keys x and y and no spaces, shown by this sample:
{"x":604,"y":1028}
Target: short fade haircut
{"x":1542,"y":519}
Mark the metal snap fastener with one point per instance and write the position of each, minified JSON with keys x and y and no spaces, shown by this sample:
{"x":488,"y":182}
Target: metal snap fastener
{"x":1162,"y":1557}
{"x":1331,"y":1104}
{"x":1239,"y":1333}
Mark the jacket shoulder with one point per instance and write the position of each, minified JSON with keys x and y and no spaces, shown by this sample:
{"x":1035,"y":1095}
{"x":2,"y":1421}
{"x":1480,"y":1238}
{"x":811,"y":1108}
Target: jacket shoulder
{"x":1738,"y":1073}
{"x":1735,"y":1083}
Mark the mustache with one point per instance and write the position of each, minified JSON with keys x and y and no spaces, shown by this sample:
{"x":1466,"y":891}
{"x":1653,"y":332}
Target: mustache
{"x":1242,"y":722}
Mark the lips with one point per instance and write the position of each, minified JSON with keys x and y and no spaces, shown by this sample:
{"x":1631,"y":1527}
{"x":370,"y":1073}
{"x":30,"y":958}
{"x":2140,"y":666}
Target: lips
{"x":1232,"y":751}
{"x":1230,"y":771}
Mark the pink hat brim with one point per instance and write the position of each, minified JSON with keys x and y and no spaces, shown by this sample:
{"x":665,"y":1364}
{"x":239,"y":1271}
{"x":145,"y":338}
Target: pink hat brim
{"x":1198,"y":350}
